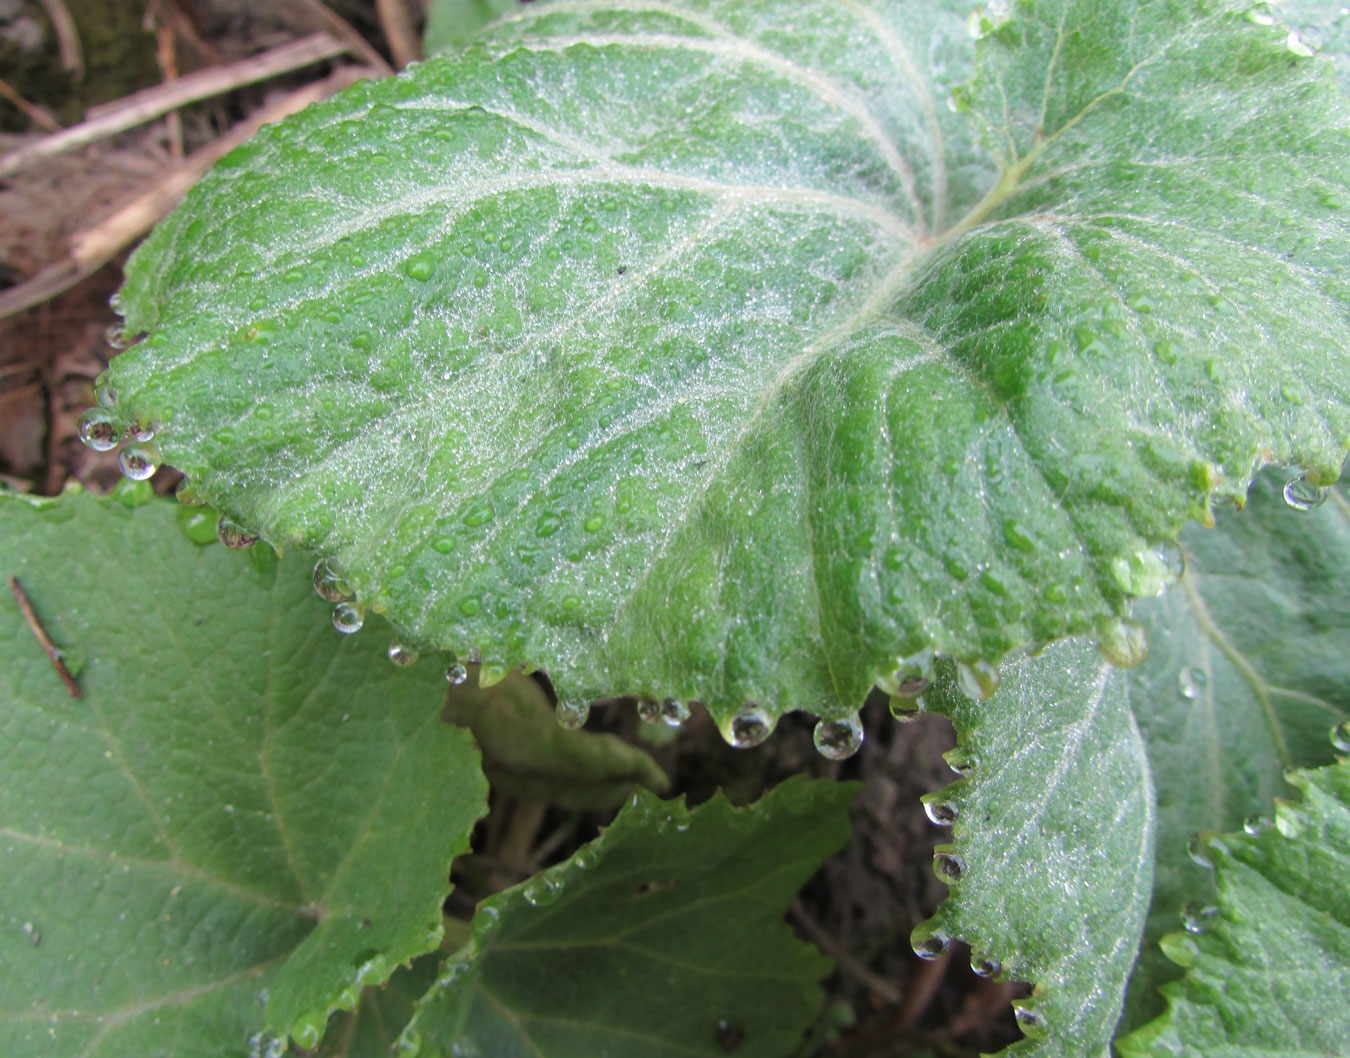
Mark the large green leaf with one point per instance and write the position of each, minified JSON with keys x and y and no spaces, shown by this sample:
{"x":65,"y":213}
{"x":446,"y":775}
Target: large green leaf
{"x":1051,"y":858}
{"x":1248,"y":671}
{"x":1268,"y":965}
{"x":244,"y":809}
{"x":664,"y":937}
{"x":701,"y":350}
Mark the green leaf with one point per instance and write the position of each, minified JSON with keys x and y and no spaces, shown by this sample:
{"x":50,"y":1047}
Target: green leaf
{"x":683,"y":352}
{"x":452,"y":23}
{"x":663,"y":937}
{"x":1247,"y":672}
{"x":1266,"y":973}
{"x":371,"y":1030}
{"x":1319,"y":26}
{"x":527,"y":754}
{"x":215,"y":820}
{"x":1051,"y":859}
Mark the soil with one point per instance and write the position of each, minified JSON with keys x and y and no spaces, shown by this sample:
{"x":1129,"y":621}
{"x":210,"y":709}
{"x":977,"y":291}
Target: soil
{"x":862,"y":904}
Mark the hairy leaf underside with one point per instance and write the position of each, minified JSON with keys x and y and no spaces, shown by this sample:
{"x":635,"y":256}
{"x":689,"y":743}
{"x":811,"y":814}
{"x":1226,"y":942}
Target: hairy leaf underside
{"x":732,"y":350}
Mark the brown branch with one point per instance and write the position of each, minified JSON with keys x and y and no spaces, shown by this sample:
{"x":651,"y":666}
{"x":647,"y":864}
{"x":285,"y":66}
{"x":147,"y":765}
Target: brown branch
{"x":93,"y":248}
{"x":52,"y":651}
{"x":67,"y":37}
{"x":397,"y":22}
{"x":36,"y":114}
{"x":150,"y":103}
{"x":848,"y":962}
{"x":343,"y":30}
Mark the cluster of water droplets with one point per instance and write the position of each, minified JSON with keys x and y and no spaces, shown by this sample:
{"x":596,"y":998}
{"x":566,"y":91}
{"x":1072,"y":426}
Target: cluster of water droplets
{"x":102,"y":429}
{"x":672,"y":712}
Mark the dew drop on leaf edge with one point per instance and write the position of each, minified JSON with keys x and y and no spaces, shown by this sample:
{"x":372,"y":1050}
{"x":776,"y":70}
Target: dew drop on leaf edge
{"x":138,"y":462}
{"x":98,"y":430}
{"x":929,"y":942}
{"x":982,"y":965}
{"x":347,"y":618}
{"x":674,"y":712}
{"x":838,"y":739}
{"x":941,"y":813}
{"x":977,"y":680}
{"x":456,"y":674}
{"x":328,"y":582}
{"x":1302,"y":495}
{"x":748,"y":728}
{"x":949,"y":866}
{"x":233,"y":535}
{"x":572,"y":715}
{"x":402,"y":656}
{"x":1340,"y":737}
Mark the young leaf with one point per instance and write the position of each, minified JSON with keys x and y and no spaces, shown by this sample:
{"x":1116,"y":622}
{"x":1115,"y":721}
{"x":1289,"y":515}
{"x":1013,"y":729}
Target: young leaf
{"x":1051,"y":859}
{"x":243,"y":808}
{"x":1247,"y":672}
{"x":663,"y":937}
{"x":526,"y":753}
{"x":684,"y":351}
{"x":1267,"y":965}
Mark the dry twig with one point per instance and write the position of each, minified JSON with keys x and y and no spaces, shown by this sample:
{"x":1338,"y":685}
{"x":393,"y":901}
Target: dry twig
{"x":51,"y":649}
{"x":150,"y":103}
{"x":38,"y":115}
{"x":96,"y":246}
{"x":399,"y":30}
{"x":67,"y":37}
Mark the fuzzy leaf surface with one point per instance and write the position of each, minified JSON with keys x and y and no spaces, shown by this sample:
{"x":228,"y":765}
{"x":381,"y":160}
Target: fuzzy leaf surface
{"x":215,"y":819}
{"x":1054,"y":840}
{"x":1247,"y":672}
{"x":703,"y":350}
{"x":663,"y":937}
{"x":1268,"y":975}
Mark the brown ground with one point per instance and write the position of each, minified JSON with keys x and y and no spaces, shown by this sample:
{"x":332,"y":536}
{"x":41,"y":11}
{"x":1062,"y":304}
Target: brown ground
{"x":861,"y":905}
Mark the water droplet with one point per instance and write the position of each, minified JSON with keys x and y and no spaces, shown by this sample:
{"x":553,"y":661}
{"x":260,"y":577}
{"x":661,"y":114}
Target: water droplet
{"x":468,"y":607}
{"x":137,"y":431}
{"x":32,"y":933}
{"x":328,"y":582}
{"x":949,"y":866}
{"x":929,"y":942}
{"x":1030,"y":1020}
{"x":940,"y":813}
{"x":234,"y":535}
{"x":1192,"y":682}
{"x":1305,"y":42}
{"x":572,"y":715}
{"x":959,"y":762}
{"x":542,"y":891}
{"x":911,"y":676}
{"x":1195,"y":849}
{"x":347,"y":618}
{"x":116,"y":336}
{"x":1173,"y":559}
{"x":977,"y":680}
{"x":1302,"y":495}
{"x":492,"y":674}
{"x":594,"y":523}
{"x":456,"y":674}
{"x":104,"y":393}
{"x":838,"y":739}
{"x":729,"y":1036}
{"x":1195,"y":916}
{"x":421,"y":267}
{"x":985,"y":965}
{"x":674,"y":712}
{"x":98,"y":429}
{"x":1262,"y":14}
{"x":907,"y":710}
{"x":1122,"y":642}
{"x":186,"y":493}
{"x":402,"y":656}
{"x":751,"y":726}
{"x":138,"y":462}
{"x":1254,"y":825}
{"x":1340,"y":737}
{"x":649,"y":710}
